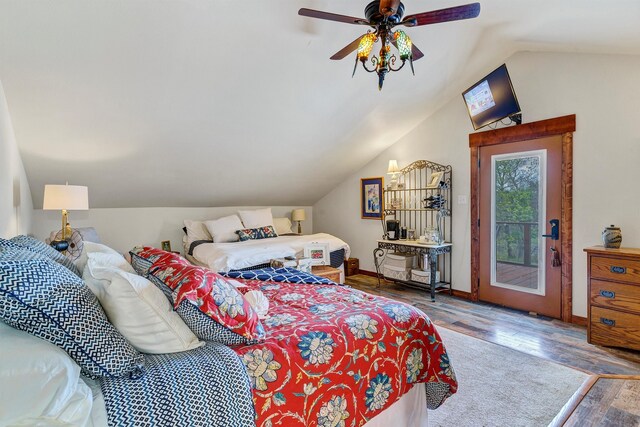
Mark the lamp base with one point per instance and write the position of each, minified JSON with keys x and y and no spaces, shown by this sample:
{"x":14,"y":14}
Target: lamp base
{"x":299,"y":227}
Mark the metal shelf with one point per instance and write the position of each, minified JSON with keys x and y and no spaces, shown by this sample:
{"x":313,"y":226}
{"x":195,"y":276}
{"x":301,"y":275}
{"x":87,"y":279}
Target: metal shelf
{"x":414,"y":189}
{"x":406,"y":205}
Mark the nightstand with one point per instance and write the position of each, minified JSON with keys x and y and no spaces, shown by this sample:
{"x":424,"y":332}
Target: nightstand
{"x":326,"y":271}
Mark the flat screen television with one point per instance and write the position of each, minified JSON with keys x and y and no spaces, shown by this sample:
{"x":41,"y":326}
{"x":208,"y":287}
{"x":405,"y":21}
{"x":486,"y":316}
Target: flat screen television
{"x":491,"y":99}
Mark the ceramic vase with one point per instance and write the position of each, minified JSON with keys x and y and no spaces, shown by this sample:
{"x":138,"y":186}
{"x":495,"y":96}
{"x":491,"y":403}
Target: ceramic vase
{"x":612,"y":237}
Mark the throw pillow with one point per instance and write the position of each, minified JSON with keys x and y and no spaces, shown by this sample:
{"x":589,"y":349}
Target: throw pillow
{"x":143,"y":258}
{"x":216,"y":299}
{"x":50,"y":302}
{"x":98,"y":262}
{"x":141,"y":313}
{"x":224,"y":229}
{"x":196,"y":230}
{"x":256,"y":233}
{"x":282,"y":226}
{"x":256,"y":218}
{"x":91,"y":247}
{"x":42,"y":248}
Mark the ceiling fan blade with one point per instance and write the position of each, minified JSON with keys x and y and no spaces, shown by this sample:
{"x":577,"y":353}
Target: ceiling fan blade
{"x":342,"y":53}
{"x":456,"y":13}
{"x":331,"y":16}
{"x":416,"y":53}
{"x":389,"y":7}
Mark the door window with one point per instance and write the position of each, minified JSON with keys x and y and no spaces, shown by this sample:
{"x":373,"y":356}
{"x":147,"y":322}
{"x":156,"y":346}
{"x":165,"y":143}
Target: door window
{"x":518,"y":183}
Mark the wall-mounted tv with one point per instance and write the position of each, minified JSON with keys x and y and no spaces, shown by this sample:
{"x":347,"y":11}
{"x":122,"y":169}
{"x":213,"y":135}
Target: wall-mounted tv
{"x":491,"y":99}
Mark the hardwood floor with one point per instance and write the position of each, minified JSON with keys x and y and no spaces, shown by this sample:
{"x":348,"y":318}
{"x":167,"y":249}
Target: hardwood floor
{"x":611,"y":401}
{"x":540,"y":336}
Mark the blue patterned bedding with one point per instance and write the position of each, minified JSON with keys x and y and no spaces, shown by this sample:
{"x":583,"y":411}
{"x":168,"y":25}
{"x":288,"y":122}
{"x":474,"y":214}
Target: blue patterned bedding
{"x":283,"y":275}
{"x":207,"y":386}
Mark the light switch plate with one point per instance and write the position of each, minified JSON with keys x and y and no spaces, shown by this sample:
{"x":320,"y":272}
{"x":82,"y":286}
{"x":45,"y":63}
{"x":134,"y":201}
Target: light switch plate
{"x":462,"y":199}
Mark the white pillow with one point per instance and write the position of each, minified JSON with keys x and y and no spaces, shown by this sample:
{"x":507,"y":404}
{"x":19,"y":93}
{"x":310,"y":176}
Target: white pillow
{"x":96,"y":263}
{"x":142,"y":314}
{"x":196,"y":230}
{"x":224,"y":229}
{"x":256,"y":218}
{"x":91,"y":247}
{"x":39,"y":383}
{"x":282,"y":225}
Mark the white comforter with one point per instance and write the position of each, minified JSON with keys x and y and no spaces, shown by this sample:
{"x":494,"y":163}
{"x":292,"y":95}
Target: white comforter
{"x":237,"y":255}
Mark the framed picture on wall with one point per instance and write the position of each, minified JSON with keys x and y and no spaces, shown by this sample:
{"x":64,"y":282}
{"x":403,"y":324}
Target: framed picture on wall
{"x":371,"y":200}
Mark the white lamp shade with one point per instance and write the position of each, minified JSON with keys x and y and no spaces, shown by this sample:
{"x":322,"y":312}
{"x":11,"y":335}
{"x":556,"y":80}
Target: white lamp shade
{"x":69,"y":197}
{"x":298,"y":215}
{"x":393,"y":167}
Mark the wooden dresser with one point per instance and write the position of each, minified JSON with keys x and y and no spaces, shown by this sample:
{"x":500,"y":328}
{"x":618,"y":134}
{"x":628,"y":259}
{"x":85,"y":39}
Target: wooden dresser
{"x":614,"y":297}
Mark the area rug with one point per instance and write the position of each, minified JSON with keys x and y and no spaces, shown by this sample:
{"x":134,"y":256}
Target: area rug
{"x":499,"y":386}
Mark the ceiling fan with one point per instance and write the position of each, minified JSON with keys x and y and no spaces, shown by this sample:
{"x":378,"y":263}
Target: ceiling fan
{"x":382,"y":16}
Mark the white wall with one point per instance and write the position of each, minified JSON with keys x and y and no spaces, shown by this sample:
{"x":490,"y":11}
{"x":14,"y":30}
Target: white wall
{"x":602,"y":90}
{"x":15,"y":197}
{"x":124,"y":228}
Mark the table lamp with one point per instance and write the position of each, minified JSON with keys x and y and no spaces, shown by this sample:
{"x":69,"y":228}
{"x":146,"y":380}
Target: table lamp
{"x":66,"y":198}
{"x":298,"y":215}
{"x":393,"y":170}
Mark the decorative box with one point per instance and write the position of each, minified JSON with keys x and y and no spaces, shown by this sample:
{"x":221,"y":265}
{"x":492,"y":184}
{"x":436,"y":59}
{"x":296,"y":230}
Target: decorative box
{"x":393,"y":272}
{"x":398,"y":259}
{"x":423,"y":276}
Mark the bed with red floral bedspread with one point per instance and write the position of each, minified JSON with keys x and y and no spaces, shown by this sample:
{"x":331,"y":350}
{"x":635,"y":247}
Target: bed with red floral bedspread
{"x":332,"y":355}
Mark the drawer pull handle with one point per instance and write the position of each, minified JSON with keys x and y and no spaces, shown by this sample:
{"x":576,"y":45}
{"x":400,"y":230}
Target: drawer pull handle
{"x":608,"y":322}
{"x":607,"y":294}
{"x":618,"y":270}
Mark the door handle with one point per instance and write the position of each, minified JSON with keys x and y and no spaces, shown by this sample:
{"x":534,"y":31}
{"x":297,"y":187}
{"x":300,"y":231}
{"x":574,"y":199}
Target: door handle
{"x":555,"y":230}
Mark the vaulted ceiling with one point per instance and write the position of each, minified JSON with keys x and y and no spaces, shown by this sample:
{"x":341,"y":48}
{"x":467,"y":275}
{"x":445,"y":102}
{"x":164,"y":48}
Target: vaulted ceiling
{"x":219,"y":103}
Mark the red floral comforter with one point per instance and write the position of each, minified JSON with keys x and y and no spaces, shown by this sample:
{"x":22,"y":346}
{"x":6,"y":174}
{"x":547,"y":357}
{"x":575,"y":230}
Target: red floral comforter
{"x":336,"y":356}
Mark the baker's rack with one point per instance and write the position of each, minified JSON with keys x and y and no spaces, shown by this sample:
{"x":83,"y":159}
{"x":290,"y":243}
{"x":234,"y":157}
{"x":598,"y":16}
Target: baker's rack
{"x":410,"y":202}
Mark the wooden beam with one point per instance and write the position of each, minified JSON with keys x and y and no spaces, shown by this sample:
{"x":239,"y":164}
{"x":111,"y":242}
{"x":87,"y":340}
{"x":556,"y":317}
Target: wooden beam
{"x":523,"y":132}
{"x":475,"y":218}
{"x":566,"y":227}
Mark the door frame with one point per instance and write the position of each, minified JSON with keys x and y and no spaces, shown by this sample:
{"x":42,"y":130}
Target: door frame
{"x":564,"y":126}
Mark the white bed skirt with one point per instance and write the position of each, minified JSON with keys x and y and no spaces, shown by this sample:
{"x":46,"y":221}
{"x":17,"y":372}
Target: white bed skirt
{"x":409,"y":411}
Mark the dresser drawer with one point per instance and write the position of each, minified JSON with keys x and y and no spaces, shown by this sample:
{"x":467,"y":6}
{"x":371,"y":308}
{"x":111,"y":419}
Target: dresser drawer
{"x":617,"y":296}
{"x":614,"y":328}
{"x":618,"y":269}
{"x":327,"y":272}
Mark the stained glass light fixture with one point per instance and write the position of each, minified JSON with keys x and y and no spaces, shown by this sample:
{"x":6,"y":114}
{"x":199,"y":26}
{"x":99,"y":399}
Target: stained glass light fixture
{"x":385,"y":61}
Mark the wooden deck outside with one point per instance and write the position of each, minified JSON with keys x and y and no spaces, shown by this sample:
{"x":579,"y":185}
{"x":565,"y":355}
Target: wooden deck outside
{"x":517,"y":275}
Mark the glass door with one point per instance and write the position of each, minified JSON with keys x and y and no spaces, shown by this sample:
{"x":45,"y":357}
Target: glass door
{"x":518,"y":214}
{"x":520,"y":193}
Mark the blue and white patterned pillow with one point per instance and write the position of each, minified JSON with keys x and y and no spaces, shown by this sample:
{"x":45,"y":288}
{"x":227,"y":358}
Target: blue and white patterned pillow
{"x":140,"y":265}
{"x":265,"y":232}
{"x":42,"y":248}
{"x":207,"y":329}
{"x":44,"y":299}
